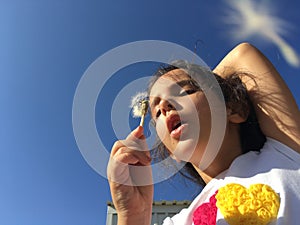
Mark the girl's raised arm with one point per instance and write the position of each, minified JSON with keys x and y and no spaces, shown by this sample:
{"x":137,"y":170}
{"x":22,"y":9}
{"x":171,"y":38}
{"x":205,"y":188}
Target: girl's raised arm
{"x":275,"y":106}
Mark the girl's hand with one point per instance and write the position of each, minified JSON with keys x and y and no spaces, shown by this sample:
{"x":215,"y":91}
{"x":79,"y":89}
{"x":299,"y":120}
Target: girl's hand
{"x":130,"y":179}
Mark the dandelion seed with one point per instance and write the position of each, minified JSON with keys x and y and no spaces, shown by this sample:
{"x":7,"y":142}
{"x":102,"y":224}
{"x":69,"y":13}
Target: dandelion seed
{"x":256,"y":19}
{"x":139,"y":105}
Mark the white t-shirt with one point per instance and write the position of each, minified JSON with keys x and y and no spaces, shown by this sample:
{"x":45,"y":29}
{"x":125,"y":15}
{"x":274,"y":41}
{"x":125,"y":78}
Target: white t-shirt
{"x":276,"y":165}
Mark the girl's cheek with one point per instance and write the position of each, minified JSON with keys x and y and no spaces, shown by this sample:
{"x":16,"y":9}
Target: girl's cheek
{"x":161,"y":130}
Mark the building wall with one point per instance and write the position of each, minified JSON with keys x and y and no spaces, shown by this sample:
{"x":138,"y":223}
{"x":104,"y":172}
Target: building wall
{"x":160,"y":210}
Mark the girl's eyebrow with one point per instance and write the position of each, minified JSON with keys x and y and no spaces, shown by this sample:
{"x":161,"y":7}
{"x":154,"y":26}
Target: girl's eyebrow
{"x":191,"y":82}
{"x":181,"y":84}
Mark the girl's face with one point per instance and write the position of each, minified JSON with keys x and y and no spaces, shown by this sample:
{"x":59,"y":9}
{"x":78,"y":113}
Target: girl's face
{"x":182,"y":115}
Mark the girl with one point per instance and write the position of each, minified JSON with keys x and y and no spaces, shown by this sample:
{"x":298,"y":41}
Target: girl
{"x":256,"y":187}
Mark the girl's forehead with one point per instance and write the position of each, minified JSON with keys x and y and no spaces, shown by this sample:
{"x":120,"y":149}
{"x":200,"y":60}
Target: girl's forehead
{"x":169,"y":83}
{"x":176,"y":75}
{"x":170,"y":79}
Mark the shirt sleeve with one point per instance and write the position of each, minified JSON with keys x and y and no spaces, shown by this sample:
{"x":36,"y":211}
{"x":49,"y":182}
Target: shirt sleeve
{"x":182,"y":218}
{"x":168,"y":221}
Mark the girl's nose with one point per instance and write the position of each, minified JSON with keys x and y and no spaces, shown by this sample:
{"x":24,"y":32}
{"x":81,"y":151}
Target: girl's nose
{"x":165,"y":106}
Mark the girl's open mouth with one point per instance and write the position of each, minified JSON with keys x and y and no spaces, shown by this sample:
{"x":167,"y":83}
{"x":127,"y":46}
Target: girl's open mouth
{"x":176,"y":133}
{"x":175,"y":126}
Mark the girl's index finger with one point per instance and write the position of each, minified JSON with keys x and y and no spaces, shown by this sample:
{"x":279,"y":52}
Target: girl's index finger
{"x":137,"y":133}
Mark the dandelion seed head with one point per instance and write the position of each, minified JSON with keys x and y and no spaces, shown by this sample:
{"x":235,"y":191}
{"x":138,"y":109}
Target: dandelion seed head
{"x":138,"y":103}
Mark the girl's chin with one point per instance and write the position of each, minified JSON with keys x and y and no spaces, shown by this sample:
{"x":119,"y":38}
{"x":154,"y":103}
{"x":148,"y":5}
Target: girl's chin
{"x":184,"y":150}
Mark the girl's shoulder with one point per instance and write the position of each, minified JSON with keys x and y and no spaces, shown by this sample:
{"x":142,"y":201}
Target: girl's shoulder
{"x":273,"y":154}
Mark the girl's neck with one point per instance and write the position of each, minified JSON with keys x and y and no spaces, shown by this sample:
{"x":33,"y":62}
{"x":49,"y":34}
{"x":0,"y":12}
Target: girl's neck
{"x":229,"y":151}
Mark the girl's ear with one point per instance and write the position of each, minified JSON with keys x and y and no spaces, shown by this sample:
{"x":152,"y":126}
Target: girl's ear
{"x":235,"y":117}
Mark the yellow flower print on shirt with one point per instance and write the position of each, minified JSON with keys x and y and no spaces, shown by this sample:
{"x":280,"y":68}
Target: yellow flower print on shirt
{"x":257,"y":205}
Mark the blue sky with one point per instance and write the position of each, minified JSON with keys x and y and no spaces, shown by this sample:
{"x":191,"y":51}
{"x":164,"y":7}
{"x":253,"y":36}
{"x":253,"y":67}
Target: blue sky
{"x":45,"y":48}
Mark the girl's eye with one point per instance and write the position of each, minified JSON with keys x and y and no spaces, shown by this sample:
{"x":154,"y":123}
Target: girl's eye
{"x":187,"y":92}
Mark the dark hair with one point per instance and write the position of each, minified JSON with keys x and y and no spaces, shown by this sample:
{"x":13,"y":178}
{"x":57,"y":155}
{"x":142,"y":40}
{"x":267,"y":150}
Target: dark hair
{"x":236,"y":98}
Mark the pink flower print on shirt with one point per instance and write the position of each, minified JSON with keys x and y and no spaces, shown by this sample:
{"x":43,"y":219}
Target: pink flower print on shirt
{"x":206,"y":213}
